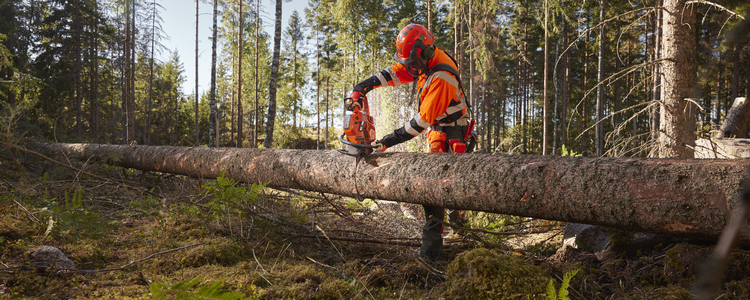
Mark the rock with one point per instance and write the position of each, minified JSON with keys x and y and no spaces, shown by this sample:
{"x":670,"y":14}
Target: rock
{"x":599,"y":240}
{"x":48,"y":256}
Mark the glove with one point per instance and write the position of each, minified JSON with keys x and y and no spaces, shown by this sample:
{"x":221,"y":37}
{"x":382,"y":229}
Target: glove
{"x":378,"y":146}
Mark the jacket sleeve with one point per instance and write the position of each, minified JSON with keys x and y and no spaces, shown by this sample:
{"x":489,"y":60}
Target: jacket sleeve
{"x":394,"y":75}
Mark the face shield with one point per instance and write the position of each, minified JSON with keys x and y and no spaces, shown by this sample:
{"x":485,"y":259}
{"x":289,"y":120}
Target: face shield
{"x":415,"y":68}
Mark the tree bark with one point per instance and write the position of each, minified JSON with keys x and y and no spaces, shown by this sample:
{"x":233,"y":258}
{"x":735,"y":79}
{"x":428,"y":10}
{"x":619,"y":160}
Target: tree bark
{"x":677,"y":118}
{"x":240,"y":119}
{"x":545,"y":80}
{"x":197,"y":96}
{"x":213,"y":118}
{"x":685,"y":197}
{"x":257,"y":75}
{"x":600,"y":86}
{"x":271,"y":117}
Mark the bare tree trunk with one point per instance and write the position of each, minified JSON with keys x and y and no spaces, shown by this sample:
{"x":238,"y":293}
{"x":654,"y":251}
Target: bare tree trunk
{"x":77,"y":28}
{"x":546,"y":78}
{"x":317,"y":91}
{"x":670,"y":196}
{"x":213,"y":120}
{"x":677,"y":120}
{"x":736,"y":72}
{"x":566,"y":80}
{"x":600,"y":87}
{"x":656,"y":72}
{"x":239,"y":83}
{"x":147,"y":130}
{"x":197,"y":95}
{"x":582,"y":145}
{"x":429,"y":15}
{"x":129,"y":120}
{"x":257,"y":76}
{"x":271,"y":113}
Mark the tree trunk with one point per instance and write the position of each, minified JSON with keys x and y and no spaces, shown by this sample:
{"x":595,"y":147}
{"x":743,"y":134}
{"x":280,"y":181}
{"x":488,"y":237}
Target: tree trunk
{"x":239,"y":83}
{"x":129,"y":118}
{"x":677,"y":120}
{"x":684,"y":197}
{"x":600,"y":86}
{"x":271,"y":117}
{"x":213,"y":120}
{"x":317,"y":90}
{"x":147,"y":130}
{"x":77,"y":28}
{"x":257,"y":76}
{"x":197,"y":97}
{"x":544,"y":81}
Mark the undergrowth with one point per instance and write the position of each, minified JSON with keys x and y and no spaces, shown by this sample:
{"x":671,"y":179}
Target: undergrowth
{"x":160,"y":236}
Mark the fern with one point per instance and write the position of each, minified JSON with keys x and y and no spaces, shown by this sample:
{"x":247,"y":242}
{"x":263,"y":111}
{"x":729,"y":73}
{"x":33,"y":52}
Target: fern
{"x":562,"y":293}
{"x":187,"y":290}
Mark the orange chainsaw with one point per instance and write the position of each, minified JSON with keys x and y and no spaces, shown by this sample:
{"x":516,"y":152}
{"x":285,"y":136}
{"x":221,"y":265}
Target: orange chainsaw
{"x":359,"y":128}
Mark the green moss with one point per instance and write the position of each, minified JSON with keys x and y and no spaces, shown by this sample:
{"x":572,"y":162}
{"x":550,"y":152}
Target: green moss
{"x":483,"y":274}
{"x":738,"y":289}
{"x":225,"y":252}
{"x":12,"y":229}
{"x":620,"y":239}
{"x":683,"y":260}
{"x":672,"y":293}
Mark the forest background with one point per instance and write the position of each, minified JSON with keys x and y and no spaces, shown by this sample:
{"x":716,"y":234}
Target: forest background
{"x":87,"y":71}
{"x":596,"y":78}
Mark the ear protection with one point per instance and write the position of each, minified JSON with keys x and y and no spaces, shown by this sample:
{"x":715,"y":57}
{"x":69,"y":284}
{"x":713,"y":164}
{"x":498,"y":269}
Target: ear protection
{"x":428,"y":51}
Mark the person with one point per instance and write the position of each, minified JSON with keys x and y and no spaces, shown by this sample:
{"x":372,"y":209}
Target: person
{"x":441,"y":108}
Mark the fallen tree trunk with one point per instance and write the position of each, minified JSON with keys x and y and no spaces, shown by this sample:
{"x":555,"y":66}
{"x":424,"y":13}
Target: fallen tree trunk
{"x":684,"y":197}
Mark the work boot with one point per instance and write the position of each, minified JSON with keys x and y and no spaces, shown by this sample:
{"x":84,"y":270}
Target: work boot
{"x":432,"y":239}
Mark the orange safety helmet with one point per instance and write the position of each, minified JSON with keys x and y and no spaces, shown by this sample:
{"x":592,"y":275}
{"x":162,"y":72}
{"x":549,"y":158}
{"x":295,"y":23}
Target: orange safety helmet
{"x":410,"y":36}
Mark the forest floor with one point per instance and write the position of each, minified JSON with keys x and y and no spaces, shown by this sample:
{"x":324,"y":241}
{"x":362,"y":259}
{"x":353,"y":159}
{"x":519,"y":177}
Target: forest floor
{"x":161,"y":236}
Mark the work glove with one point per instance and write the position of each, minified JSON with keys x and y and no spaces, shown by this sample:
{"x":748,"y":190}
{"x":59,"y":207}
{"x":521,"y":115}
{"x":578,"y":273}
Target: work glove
{"x":378,"y":146}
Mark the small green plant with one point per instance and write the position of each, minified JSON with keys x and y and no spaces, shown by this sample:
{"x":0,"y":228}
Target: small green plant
{"x":226,"y":191}
{"x":72,"y":217}
{"x":356,"y":204}
{"x":568,"y":152}
{"x":187,"y":290}
{"x":562,"y":293}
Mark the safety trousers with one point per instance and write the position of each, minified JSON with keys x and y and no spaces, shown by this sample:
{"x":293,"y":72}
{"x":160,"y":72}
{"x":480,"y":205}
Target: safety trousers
{"x":432,"y":239}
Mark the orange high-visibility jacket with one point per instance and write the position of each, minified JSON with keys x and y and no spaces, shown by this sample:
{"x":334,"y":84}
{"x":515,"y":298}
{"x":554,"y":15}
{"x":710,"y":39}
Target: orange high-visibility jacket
{"x":441,"y":100}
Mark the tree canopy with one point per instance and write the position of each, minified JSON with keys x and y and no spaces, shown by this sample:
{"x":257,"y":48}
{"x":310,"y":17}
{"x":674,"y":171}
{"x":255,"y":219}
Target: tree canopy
{"x":72,"y":67}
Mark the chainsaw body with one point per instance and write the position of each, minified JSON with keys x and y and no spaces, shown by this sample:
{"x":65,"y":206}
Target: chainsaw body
{"x":359,"y":127}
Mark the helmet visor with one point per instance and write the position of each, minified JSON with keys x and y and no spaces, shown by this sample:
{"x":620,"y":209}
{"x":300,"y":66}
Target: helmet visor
{"x":415,"y":68}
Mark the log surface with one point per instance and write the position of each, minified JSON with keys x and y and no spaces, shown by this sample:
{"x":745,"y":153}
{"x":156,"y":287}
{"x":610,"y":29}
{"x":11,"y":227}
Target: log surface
{"x":684,"y":197}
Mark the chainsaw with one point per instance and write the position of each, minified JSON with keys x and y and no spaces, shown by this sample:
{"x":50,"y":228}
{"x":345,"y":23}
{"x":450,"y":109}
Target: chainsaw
{"x":359,"y":128}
